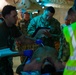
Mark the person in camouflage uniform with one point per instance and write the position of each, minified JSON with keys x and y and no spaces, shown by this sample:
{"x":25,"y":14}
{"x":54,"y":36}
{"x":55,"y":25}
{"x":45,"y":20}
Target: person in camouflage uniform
{"x":46,"y":20}
{"x":64,"y":46}
{"x":22,"y":25}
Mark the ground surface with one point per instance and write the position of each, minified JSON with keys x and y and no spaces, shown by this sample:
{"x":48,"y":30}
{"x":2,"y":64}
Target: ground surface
{"x":16,"y":62}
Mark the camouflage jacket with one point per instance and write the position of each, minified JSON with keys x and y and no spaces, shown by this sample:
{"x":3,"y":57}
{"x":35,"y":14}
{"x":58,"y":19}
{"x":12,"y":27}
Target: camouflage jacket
{"x":64,"y":50}
{"x":22,"y":25}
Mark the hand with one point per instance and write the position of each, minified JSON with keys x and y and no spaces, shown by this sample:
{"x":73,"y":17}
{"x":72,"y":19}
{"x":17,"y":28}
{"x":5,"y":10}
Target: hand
{"x":47,"y":33}
{"x":28,"y":53}
{"x":57,"y":64}
{"x":39,"y":41}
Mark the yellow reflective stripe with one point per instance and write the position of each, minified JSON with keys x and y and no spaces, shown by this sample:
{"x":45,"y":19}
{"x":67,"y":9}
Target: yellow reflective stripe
{"x":70,"y":68}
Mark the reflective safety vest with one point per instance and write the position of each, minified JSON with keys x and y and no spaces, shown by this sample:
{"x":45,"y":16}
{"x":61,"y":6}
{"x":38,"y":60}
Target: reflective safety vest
{"x":73,"y":43}
{"x":70,"y":68}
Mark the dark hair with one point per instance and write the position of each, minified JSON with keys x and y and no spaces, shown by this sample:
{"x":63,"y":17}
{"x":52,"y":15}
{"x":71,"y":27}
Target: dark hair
{"x":51,"y":9}
{"x":71,"y":11}
{"x":7,"y":9}
{"x":27,"y":13}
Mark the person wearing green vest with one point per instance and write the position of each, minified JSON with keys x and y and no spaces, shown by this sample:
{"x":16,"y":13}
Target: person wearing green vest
{"x":70,"y":36}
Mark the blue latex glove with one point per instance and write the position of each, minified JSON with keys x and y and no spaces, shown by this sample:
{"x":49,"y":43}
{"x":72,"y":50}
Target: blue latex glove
{"x":39,"y":41}
{"x":28,"y":53}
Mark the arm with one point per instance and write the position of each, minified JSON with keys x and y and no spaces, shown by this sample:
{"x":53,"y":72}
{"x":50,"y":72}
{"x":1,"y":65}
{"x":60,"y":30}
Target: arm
{"x":21,"y":38}
{"x":31,"y":27}
{"x":58,"y":65}
{"x":25,"y":40}
{"x":55,"y":29}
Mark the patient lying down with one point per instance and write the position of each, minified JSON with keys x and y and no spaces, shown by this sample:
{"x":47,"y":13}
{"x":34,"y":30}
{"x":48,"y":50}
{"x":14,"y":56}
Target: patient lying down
{"x":44,"y":57}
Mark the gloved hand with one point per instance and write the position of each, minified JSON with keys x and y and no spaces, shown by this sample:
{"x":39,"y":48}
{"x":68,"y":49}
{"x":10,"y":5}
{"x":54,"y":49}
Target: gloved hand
{"x":39,"y":41}
{"x":28,"y":53}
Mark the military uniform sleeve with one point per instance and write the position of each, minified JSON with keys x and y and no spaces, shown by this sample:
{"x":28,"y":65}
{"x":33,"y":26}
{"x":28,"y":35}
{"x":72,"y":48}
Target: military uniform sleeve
{"x":57,"y":30}
{"x":66,"y":33}
{"x":31,"y":27}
